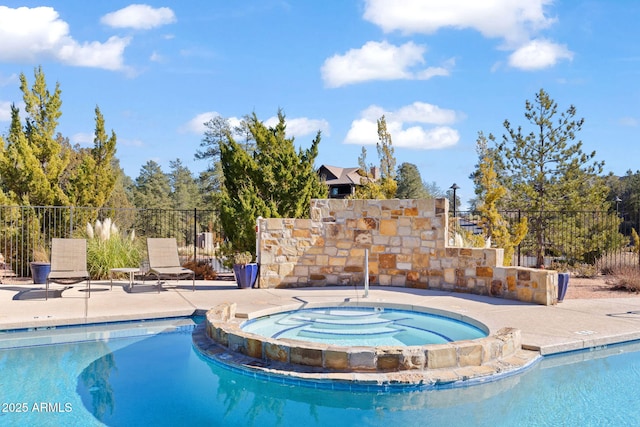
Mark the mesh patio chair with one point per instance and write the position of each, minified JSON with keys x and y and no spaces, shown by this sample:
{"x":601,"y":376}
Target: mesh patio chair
{"x":164,"y":260}
{"x":68,"y":264}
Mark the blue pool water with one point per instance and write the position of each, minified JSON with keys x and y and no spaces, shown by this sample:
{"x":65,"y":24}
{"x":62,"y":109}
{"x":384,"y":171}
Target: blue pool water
{"x":133,"y":375}
{"x":363,"y":326}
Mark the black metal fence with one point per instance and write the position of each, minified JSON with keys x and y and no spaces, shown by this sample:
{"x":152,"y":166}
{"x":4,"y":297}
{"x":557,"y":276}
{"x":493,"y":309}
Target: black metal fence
{"x":27,"y":230}
{"x":602,"y":239}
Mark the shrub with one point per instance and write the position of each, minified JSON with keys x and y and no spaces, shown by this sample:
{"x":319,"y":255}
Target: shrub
{"x":202,"y":269}
{"x":582,"y":270}
{"x":586,"y":271}
{"x":107,"y":248}
{"x":625,"y":278}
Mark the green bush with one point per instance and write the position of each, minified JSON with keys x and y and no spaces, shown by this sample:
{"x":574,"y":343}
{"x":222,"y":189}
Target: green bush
{"x":107,"y":248}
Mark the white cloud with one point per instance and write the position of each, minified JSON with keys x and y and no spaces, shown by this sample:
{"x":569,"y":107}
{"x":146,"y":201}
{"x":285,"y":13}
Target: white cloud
{"x":83,"y":138}
{"x":297,"y":127}
{"x":107,"y":55}
{"x":422,"y":112}
{"x":364,"y":131}
{"x":133,"y":143}
{"x":38,"y":33}
{"x":510,"y":20}
{"x":301,"y":126}
{"x":379,"y":61}
{"x":196,"y":125}
{"x":139,"y":16}
{"x":9,"y":80}
{"x":516,"y":23}
{"x":628,"y":121}
{"x":5,"y":111}
{"x":538,"y":54}
{"x":156,"y":57}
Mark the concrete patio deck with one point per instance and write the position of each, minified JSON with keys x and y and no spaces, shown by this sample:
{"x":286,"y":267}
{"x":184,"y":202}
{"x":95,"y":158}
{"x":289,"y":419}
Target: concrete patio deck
{"x":571,"y":325}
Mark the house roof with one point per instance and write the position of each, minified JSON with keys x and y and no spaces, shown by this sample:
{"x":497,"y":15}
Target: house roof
{"x":334,"y":175}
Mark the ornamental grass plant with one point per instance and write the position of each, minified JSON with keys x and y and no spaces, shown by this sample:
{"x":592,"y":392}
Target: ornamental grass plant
{"x":108,"y":248}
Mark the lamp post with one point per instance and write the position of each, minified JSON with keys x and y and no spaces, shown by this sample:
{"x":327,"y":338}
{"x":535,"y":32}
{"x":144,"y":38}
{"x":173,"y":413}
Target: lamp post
{"x":454,"y":187}
{"x":617,"y":200}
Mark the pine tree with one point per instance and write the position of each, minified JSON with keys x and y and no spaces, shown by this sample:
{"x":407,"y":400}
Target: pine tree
{"x":410,"y":185}
{"x":152,"y":188}
{"x":184,"y":189}
{"x":123,"y":189}
{"x":545,"y":170}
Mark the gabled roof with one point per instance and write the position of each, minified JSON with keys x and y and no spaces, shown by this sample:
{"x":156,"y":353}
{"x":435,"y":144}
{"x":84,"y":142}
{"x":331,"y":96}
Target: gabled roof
{"x":335,"y":175}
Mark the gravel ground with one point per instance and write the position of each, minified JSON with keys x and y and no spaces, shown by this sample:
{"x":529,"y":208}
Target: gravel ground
{"x":580,"y":288}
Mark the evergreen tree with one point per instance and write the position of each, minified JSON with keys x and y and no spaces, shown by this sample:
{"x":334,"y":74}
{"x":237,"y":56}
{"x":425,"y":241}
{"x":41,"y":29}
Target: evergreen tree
{"x":545,"y":170}
{"x":432,"y":189}
{"x":24,"y":180}
{"x":152,"y":191}
{"x":628,"y":190}
{"x":387,"y":160}
{"x":369,"y":187}
{"x":273,"y":181}
{"x":497,"y":229}
{"x":184,"y":189}
{"x":93,"y":181}
{"x":210,"y":180}
{"x":33,"y":160}
{"x":384,"y":186}
{"x":123,"y":189}
{"x":152,"y":188}
{"x":43,"y":111}
{"x":410,"y":185}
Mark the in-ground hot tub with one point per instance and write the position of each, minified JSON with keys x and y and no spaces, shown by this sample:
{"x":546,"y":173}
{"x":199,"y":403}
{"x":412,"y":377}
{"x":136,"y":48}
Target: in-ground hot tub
{"x":364,"y":326}
{"x":222,"y":338}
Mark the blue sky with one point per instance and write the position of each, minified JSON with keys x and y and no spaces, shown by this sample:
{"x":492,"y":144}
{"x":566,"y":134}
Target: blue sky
{"x":439,"y":70}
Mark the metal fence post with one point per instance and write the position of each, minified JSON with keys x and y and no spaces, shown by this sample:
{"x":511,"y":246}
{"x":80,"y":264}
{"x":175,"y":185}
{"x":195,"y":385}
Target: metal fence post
{"x":195,"y":233}
{"x":519,"y":244}
{"x":638,"y":225}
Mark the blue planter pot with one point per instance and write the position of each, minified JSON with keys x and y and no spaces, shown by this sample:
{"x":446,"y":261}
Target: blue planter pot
{"x":246,"y":275}
{"x":563,"y":284}
{"x":40,"y":271}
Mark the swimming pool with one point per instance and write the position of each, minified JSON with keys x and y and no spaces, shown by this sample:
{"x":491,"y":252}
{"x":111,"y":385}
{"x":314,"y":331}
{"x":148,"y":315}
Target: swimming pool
{"x":363,"y":326}
{"x":147,"y":373}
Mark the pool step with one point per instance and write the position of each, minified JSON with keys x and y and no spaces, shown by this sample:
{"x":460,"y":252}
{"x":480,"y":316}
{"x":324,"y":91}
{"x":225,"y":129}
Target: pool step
{"x":314,"y":332}
{"x":343,"y":322}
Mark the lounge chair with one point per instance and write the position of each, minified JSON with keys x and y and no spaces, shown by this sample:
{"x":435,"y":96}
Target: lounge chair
{"x":68,"y":263}
{"x":164,"y":260}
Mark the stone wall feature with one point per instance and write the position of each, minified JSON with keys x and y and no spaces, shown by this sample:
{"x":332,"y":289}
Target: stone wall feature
{"x":407,"y":246}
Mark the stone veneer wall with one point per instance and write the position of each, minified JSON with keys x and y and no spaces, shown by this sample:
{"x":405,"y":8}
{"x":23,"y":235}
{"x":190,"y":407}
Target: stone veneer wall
{"x":407,"y":247}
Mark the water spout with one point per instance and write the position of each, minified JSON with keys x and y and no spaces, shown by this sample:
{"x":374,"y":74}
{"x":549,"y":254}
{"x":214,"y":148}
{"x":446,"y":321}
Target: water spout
{"x":366,"y":273}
